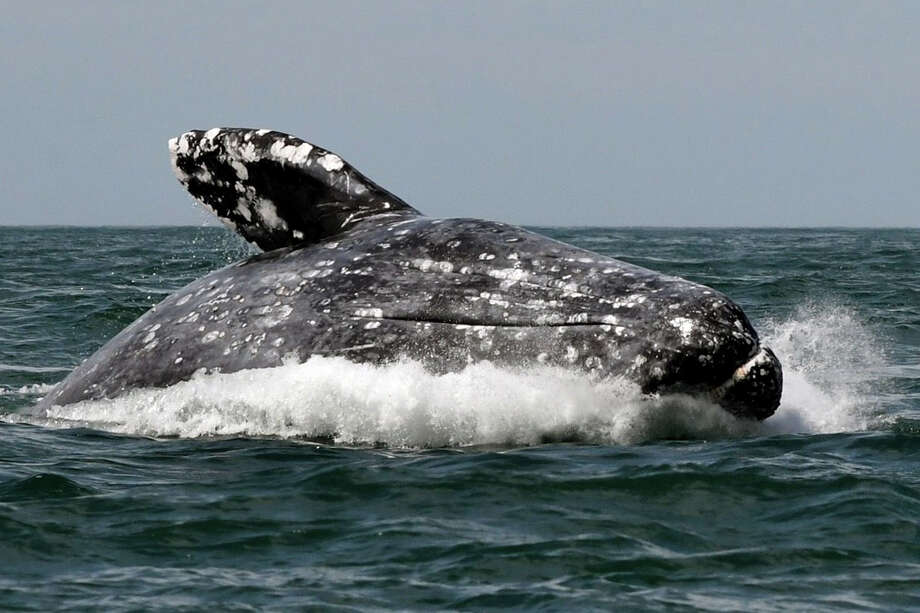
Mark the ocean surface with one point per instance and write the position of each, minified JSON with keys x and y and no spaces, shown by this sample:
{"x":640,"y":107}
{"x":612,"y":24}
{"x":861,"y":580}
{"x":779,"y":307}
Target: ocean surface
{"x":487,"y":489}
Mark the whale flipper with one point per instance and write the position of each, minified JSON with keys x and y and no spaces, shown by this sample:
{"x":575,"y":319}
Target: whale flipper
{"x":274,"y":189}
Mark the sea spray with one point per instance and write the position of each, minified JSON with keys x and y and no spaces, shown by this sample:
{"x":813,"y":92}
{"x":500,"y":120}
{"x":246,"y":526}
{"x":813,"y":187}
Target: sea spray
{"x":405,"y":406}
{"x":832,"y":364}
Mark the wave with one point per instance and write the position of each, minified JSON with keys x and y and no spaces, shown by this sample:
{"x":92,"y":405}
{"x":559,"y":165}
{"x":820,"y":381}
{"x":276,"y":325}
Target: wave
{"x":27,"y":390}
{"x":829,"y":358}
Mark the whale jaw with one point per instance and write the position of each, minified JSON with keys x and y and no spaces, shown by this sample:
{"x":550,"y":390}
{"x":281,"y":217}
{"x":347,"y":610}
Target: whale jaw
{"x":754,"y":389}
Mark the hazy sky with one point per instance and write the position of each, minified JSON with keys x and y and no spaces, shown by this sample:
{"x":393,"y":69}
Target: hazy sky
{"x":608,"y":113}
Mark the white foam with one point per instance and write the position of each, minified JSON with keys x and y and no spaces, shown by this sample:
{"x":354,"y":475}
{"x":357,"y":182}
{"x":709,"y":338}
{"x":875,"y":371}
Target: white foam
{"x":403,"y":405}
{"x":832,"y":367}
{"x":33,"y":389}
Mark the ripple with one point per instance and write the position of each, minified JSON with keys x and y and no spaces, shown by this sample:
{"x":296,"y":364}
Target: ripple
{"x":43,"y":486}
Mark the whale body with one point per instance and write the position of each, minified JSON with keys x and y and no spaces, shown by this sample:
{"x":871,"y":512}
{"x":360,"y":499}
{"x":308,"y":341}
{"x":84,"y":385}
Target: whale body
{"x":351,"y":270}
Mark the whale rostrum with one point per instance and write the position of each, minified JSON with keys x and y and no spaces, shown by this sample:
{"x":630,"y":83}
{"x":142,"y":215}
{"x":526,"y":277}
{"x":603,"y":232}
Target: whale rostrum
{"x":351,"y":270}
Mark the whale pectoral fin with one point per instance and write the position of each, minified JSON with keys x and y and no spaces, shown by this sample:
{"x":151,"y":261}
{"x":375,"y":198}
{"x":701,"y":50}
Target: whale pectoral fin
{"x":274,"y":189}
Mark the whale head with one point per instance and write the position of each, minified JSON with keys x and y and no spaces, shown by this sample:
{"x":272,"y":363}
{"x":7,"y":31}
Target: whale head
{"x":704,"y":345}
{"x":754,"y":388}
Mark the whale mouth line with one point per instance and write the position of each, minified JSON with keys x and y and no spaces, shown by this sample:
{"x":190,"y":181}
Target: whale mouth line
{"x":456,"y":321}
{"x":761,"y":357}
{"x":754,"y":388}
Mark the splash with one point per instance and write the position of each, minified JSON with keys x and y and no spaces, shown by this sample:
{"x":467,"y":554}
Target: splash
{"x":832,"y":370}
{"x":26,"y":390}
{"x":828,"y":356}
{"x":403,"y":405}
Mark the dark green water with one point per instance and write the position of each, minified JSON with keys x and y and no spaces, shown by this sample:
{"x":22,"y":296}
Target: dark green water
{"x":208,"y":496}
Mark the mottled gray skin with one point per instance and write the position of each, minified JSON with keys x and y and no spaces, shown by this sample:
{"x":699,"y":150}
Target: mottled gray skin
{"x":446,"y":292}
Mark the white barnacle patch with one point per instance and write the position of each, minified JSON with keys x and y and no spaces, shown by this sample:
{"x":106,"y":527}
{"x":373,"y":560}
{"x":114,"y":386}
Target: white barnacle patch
{"x":508,"y":274}
{"x":685,"y":325}
{"x":287,"y":152}
{"x":301,"y":153}
{"x":269,"y":214}
{"x":372,"y":313}
{"x":610,"y":319}
{"x":276,"y":148}
{"x":550,"y":319}
{"x":212,"y":133}
{"x":242,"y":207}
{"x":571,"y":354}
{"x":247,"y":153}
{"x":577,"y":318}
{"x":371,"y":325}
{"x":569,"y":290}
{"x":283,"y":311}
{"x":486,"y":256}
{"x":190,"y":318}
{"x":241,"y":171}
{"x":496,"y":300}
{"x":426,"y":265}
{"x":453,"y":244}
{"x":331,"y":162}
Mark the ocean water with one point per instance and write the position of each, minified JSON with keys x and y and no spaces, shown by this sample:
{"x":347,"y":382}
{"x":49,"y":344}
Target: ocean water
{"x":484,"y":489}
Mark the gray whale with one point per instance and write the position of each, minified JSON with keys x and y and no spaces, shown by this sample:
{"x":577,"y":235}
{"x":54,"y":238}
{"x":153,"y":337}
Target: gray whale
{"x":351,"y":270}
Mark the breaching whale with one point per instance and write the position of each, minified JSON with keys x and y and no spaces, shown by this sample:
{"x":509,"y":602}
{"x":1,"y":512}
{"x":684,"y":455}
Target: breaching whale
{"x":351,"y":270}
